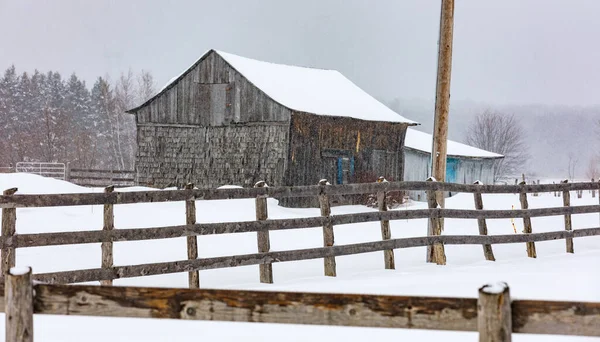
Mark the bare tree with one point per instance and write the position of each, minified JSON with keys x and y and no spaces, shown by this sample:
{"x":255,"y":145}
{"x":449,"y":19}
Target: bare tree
{"x":572,"y":165}
{"x":145,"y":87}
{"x":500,"y":133}
{"x":593,"y":168}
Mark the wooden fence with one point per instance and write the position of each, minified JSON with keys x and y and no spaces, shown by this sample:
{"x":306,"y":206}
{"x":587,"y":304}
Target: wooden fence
{"x":492,"y":314}
{"x":10,"y":240}
{"x":101,"y":178}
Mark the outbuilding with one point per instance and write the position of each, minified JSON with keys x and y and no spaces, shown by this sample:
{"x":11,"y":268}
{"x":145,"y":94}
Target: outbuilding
{"x":464,"y":164}
{"x":228,"y":119}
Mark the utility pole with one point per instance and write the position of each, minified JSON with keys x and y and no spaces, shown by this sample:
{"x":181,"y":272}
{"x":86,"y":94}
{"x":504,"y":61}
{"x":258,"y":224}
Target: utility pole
{"x":442,"y":106}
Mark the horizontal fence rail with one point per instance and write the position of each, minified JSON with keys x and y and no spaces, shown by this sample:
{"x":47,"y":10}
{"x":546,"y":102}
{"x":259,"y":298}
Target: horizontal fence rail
{"x":23,"y":299}
{"x":53,"y":200}
{"x":80,"y":276}
{"x":167,"y":232}
{"x":101,"y":177}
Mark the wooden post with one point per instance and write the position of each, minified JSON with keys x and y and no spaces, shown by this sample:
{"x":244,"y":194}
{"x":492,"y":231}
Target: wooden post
{"x":568,"y":225}
{"x":442,"y":98}
{"x":109,"y":224}
{"x":527,"y":224}
{"x":593,"y":190}
{"x":435,"y":252}
{"x":494,"y":315}
{"x":18,"y":299}
{"x":264,"y":245}
{"x":328,"y":237}
{"x":487,"y":249}
{"x":192,"y":241}
{"x":9,"y":228}
{"x":386,"y":234}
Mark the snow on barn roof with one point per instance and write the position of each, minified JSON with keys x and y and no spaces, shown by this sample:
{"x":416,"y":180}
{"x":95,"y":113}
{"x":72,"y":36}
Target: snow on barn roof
{"x":316,"y":91}
{"x":423,"y":142}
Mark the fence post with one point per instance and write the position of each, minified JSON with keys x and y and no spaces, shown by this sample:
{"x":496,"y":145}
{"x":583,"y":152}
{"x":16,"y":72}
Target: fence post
{"x":9,"y":227}
{"x":192,"y":241}
{"x":494,"y":315}
{"x":107,"y":247}
{"x":386,"y":234}
{"x":568,"y":225}
{"x":487,"y":249}
{"x":527,"y":223}
{"x":593,"y":190}
{"x":18,"y":299}
{"x":435,"y":252}
{"x":264,"y":245}
{"x":328,"y":237}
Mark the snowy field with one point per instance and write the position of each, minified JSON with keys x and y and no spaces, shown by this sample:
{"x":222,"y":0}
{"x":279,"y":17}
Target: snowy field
{"x":554,"y":275}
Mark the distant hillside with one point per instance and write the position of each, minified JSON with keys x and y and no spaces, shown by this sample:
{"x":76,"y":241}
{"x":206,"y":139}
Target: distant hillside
{"x":553,"y":131}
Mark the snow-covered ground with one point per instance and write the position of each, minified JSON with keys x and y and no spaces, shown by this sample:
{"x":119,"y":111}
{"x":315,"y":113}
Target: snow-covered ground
{"x":554,"y":275}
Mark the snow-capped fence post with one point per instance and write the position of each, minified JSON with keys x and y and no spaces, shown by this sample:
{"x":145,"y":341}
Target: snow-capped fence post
{"x":264,"y":245}
{"x":192,"y":241}
{"x":527,"y":223}
{"x":568,"y":225}
{"x":386,"y":234}
{"x":109,"y":224}
{"x":328,"y":237}
{"x":9,"y":223}
{"x":435,"y":252}
{"x":18,"y":301}
{"x":487,"y":249}
{"x":494,"y":314}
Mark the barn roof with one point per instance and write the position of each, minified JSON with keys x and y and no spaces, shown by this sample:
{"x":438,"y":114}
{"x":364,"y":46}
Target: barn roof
{"x":423,"y":142}
{"x":316,"y":91}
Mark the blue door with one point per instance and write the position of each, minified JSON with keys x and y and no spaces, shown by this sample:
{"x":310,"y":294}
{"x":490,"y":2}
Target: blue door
{"x":451,"y":167}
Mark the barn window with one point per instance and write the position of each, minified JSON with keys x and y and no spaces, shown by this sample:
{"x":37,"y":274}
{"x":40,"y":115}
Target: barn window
{"x":212,"y":99}
{"x":338,"y":166}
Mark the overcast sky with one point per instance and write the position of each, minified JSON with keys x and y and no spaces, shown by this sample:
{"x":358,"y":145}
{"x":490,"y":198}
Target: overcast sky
{"x":505,"y":51}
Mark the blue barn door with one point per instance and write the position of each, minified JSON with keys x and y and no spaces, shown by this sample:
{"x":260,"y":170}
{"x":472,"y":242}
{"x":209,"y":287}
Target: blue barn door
{"x":451,"y":168}
{"x":345,"y":170}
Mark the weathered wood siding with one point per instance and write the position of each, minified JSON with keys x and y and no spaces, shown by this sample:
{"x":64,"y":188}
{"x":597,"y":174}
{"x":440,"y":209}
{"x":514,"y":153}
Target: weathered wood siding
{"x":211,"y":156}
{"x":211,"y":93}
{"x":417,"y":167}
{"x":211,"y":127}
{"x":317,"y":141}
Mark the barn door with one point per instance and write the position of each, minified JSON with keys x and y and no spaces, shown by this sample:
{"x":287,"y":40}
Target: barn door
{"x":451,"y":167}
{"x":345,"y":170}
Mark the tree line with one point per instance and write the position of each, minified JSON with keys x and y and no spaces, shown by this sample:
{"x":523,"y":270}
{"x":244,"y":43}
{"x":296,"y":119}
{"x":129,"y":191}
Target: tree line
{"x":47,"y":118}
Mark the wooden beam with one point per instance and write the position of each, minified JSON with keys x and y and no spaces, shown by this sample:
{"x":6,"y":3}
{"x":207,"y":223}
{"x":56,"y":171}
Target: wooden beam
{"x":494,"y":315}
{"x":9,"y":227}
{"x":263,"y":240}
{"x":18,"y":300}
{"x":329,"y":265}
{"x":527,"y":229}
{"x":482,"y":225}
{"x":568,"y":223}
{"x":192,"y":241}
{"x":58,"y":200}
{"x":138,"y":234}
{"x":79,"y":276}
{"x":442,"y":98}
{"x":386,"y":234}
{"x":107,"y":246}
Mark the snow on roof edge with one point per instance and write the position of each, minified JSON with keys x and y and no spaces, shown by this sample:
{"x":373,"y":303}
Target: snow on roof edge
{"x":376,"y":105}
{"x":421,"y":141}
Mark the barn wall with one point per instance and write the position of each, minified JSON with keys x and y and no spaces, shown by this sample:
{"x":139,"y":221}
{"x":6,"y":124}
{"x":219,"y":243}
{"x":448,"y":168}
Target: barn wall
{"x":315,"y":141}
{"x":212,"y":93}
{"x":468,"y":170}
{"x":417,"y":167}
{"x":211,"y":156}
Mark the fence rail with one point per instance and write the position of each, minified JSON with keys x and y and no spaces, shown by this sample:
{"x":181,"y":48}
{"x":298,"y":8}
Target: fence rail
{"x":10,"y":240}
{"x":492,"y":314}
{"x":53,"y":200}
{"x":101,"y":177}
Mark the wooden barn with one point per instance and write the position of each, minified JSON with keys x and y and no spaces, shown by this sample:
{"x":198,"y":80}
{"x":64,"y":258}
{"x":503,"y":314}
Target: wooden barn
{"x":464,"y":164}
{"x":228,"y":119}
